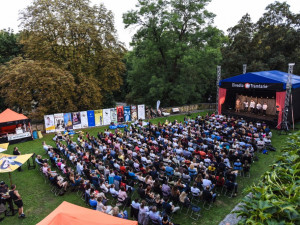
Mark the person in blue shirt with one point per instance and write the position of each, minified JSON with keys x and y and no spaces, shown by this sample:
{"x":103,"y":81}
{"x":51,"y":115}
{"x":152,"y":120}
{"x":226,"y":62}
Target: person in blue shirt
{"x":155,"y":216}
{"x":169,"y":170}
{"x":132,"y":174}
{"x":237,"y":165}
{"x":93,"y":202}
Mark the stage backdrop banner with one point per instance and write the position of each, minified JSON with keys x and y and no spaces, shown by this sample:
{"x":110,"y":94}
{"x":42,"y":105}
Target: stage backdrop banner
{"x":141,"y":112}
{"x":113,"y":115}
{"x":127,"y":116}
{"x":98,"y":117}
{"x":49,"y":123}
{"x":91,"y":118}
{"x":84,"y":119}
{"x":59,"y":122}
{"x":106,"y":117}
{"x":76,"y":120}
{"x":120,"y":113}
{"x":68,"y":121}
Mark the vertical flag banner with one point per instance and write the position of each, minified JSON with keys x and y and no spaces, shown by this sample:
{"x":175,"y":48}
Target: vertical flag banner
{"x":98,"y":117}
{"x":120,"y":114}
{"x":106,"y":117}
{"x":127,"y":116}
{"x":49,"y":123}
{"x":68,"y":121}
{"x":113,"y":115}
{"x":91,"y":118}
{"x":3,"y":147}
{"x":76,"y":120}
{"x":59,"y":122}
{"x":141,"y":112}
{"x":133,"y":113}
{"x":84,"y":119}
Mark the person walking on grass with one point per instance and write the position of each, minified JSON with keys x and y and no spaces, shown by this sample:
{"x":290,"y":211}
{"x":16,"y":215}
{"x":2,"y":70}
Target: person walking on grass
{"x":15,"y":196}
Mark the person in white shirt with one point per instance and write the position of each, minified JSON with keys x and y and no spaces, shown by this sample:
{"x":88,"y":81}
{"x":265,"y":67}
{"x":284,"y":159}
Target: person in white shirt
{"x":252,"y":105}
{"x":258,"y":107}
{"x":246,"y":105}
{"x":195,"y":190}
{"x":264,"y":107}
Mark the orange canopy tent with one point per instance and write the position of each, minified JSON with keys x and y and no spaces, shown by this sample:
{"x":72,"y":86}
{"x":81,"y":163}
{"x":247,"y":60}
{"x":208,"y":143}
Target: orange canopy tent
{"x":8,"y":116}
{"x":14,"y":127}
{"x":70,"y":214}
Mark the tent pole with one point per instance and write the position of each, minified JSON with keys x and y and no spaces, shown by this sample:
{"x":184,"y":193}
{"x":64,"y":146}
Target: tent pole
{"x":9,"y":174}
{"x":292,"y":111}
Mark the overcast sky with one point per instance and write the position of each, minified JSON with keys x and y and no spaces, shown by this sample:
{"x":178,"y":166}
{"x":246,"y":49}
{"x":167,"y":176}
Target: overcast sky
{"x":228,"y":12}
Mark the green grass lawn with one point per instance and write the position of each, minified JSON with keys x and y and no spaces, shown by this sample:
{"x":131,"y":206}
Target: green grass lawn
{"x":39,"y":200}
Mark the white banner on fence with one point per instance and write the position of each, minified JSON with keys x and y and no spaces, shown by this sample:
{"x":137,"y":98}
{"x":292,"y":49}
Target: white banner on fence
{"x":49,"y":123}
{"x":84,"y":119}
{"x":59,"y":122}
{"x":113,"y":115}
{"x":141,"y":112}
{"x":106,"y":117}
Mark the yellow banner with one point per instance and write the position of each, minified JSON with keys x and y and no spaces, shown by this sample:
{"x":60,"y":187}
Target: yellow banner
{"x":9,"y":163}
{"x":3,"y":147}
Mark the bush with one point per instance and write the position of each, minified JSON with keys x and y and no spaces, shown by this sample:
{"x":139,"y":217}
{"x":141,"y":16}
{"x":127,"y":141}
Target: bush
{"x":276,"y":199}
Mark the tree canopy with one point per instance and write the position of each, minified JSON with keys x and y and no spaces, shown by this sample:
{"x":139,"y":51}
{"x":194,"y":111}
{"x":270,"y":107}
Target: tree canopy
{"x":9,"y":45}
{"x":175,"y":51}
{"x":76,"y":36}
{"x":37,"y":87}
{"x":269,"y":44}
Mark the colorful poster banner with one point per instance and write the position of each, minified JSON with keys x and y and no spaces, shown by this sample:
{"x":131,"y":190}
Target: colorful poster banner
{"x":127,"y":116}
{"x":113,"y":115}
{"x":120,"y":114}
{"x":141,"y":112}
{"x":91,"y":118}
{"x":106,"y":117}
{"x":98,"y":117}
{"x":68,"y":121}
{"x":133,"y":113}
{"x":3,"y":147}
{"x":59,"y":122}
{"x":9,"y":163}
{"x":84,"y":119}
{"x":76,"y":120}
{"x":49,"y":123}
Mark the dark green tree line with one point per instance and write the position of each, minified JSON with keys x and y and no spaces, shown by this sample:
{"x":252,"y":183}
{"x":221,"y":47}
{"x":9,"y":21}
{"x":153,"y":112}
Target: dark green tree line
{"x":269,"y":44}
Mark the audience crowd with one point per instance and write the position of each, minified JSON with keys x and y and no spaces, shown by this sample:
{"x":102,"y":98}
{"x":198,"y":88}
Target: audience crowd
{"x":168,"y":166}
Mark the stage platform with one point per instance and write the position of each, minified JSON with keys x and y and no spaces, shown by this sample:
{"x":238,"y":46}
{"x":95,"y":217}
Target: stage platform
{"x":271,"y":120}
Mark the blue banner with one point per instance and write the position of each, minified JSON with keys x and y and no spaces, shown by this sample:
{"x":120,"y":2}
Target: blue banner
{"x":68,"y":121}
{"x":127,"y":113}
{"x":91,"y":118}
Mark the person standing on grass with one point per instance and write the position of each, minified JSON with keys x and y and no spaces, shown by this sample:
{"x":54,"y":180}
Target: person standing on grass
{"x":17,"y":152}
{"x":15,"y":196}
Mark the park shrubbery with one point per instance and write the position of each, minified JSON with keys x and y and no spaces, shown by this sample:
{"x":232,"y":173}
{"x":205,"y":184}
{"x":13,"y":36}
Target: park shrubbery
{"x":276,"y":199}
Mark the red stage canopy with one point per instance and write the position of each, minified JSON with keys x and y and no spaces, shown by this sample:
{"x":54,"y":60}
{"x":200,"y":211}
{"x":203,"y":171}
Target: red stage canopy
{"x":8,"y":115}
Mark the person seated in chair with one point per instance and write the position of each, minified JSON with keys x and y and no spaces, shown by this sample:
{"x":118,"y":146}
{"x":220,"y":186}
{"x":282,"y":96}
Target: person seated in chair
{"x":101,"y":207}
{"x":154,"y":216}
{"x":169,"y":208}
{"x":208,"y":195}
{"x":231,"y":181}
{"x":237,"y":165}
{"x":93,"y":202}
{"x":122,"y":196}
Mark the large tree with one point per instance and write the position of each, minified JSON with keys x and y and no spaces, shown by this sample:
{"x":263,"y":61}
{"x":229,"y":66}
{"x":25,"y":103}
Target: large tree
{"x":76,"y":36}
{"x":36,"y":88}
{"x":175,"y":51}
{"x":269,"y":44}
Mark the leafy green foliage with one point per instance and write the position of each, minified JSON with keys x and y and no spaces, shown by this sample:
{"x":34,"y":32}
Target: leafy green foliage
{"x":9,"y":46}
{"x":276,"y":199}
{"x":269,"y":44}
{"x":175,"y":52}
